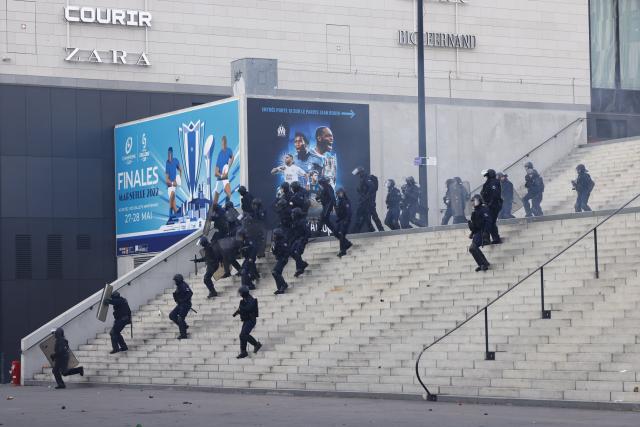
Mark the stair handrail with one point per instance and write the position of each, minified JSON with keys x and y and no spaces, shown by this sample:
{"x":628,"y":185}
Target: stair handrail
{"x":534,"y":149}
{"x":546,"y":314}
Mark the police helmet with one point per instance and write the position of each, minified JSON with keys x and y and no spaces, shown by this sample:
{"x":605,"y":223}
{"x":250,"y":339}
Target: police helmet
{"x":340,"y":192}
{"x":476,"y":197}
{"x":244,"y":290}
{"x":528,"y":165}
{"x":295,"y":186}
{"x":58,"y":332}
{"x":581,"y":168}
{"x":410,"y":180}
{"x":358,"y":171}
{"x":256,"y":202}
{"x":228,"y":205}
{"x":278,"y":234}
{"x":178,"y":278}
{"x":115,"y":294}
{"x":297,"y":213}
{"x":390,"y":183}
{"x":242,"y":190}
{"x":489,"y":173}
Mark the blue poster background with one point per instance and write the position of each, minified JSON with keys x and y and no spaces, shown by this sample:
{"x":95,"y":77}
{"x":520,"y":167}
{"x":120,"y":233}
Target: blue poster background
{"x":160,"y":201}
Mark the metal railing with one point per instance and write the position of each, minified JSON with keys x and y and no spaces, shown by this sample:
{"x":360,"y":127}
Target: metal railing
{"x":534,"y":149}
{"x":545,"y":314}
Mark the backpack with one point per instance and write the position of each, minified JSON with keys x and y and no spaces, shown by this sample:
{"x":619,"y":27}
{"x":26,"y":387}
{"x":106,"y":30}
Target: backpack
{"x":590,"y":183}
{"x":373,"y":180}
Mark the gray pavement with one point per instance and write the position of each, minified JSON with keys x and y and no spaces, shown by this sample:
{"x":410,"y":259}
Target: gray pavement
{"x":97,"y":406}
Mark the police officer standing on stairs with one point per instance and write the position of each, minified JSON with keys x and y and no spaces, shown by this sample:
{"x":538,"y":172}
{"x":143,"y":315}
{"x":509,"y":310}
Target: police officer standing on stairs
{"x":60,"y":359}
{"x":248,"y":311}
{"x":212,"y":259}
{"x":535,"y":188}
{"x":393,"y":200}
{"x":281,"y":250}
{"x":298,"y":239}
{"x":366,"y":212}
{"x":583,"y":185}
{"x":507,"y":196}
{"x":343,"y":212}
{"x":327,"y":197}
{"x":249,"y":250}
{"x":247,"y":200}
{"x":182,"y":296}
{"x":492,"y":196}
{"x":410,"y":204}
{"x":121,"y":318}
{"x":479,"y":224}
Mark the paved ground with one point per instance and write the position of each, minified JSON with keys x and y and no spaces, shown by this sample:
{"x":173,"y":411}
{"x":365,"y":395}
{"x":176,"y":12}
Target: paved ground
{"x":112,"y":407}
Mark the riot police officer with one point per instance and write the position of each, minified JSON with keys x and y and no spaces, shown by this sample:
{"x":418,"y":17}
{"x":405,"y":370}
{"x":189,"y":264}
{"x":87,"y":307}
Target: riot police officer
{"x":410,"y":203}
{"x":212,"y":258}
{"x":121,"y":318}
{"x":281,"y":250}
{"x":60,"y":359}
{"x":491,"y":194}
{"x":343,"y":213}
{"x":448,"y":213}
{"x":283,"y":210}
{"x":479,"y":224}
{"x":182,"y":296}
{"x":394,"y":198}
{"x":507,"y":196}
{"x":363,"y":213}
{"x":299,"y":197}
{"x":535,"y":189}
{"x":219,"y":218}
{"x":327,"y":198}
{"x":247,"y":200}
{"x":233,"y":218}
{"x":248,"y":311}
{"x":298,"y":239}
{"x":583,"y":185}
{"x":249,"y":250}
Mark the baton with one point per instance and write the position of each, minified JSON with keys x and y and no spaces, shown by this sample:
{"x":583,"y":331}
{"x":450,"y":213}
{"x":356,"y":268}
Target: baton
{"x":191,"y":309}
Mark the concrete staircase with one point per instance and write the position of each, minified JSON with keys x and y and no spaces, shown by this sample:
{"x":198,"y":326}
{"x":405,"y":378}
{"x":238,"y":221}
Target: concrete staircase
{"x":615,"y":168}
{"x":356,"y":324}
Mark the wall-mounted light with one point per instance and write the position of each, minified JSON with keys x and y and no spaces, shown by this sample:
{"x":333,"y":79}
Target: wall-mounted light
{"x":23,"y":26}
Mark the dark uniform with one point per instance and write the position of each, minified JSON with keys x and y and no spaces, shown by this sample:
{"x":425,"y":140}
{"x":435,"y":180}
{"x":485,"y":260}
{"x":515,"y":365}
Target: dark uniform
{"x":535,"y":189}
{"x":299,"y":197}
{"x":373,"y":210}
{"x":448,"y":213}
{"x":327,"y":197}
{"x":393,"y":200}
{"x":492,"y":196}
{"x":247,"y":200}
{"x":182,"y":296}
{"x":121,"y":318}
{"x":219,"y":218}
{"x":343,"y":213}
{"x":212,"y":258}
{"x":479,"y":224}
{"x":233,"y":218}
{"x":507,"y":196}
{"x":459,"y":196}
{"x":299,"y":235}
{"x":248,"y":311}
{"x":61,"y":359}
{"x":366,"y":212}
{"x":410,"y":204}
{"x":583,"y":186}
{"x":281,"y":250}
{"x":249,"y":251}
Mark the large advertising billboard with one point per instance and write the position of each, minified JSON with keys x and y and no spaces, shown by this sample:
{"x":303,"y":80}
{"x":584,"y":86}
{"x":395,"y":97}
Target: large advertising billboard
{"x":302,"y":141}
{"x":170,"y":169}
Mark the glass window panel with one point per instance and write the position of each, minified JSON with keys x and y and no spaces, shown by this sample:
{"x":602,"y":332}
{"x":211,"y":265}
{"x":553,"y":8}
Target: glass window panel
{"x":629,"y":44}
{"x":603,"y":44}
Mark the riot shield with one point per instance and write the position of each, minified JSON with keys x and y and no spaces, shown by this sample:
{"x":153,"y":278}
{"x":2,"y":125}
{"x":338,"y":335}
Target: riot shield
{"x":103,"y":307}
{"x":48,"y":345}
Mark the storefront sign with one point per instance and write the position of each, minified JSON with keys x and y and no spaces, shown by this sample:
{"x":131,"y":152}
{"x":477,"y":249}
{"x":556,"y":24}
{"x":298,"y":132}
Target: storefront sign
{"x":443,"y":40}
{"x":107,"y":16}
{"x":75,"y":54}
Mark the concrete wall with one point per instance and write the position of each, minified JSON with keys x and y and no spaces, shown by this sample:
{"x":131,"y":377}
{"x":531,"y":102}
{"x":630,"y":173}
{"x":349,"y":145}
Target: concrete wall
{"x":527,"y":50}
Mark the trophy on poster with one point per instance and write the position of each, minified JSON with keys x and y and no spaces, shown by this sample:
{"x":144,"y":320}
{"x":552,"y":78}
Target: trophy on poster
{"x":191,"y":142}
{"x":208,"y":154}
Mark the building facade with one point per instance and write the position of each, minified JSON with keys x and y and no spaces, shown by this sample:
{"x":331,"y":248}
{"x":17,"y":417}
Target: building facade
{"x":501,"y":78}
